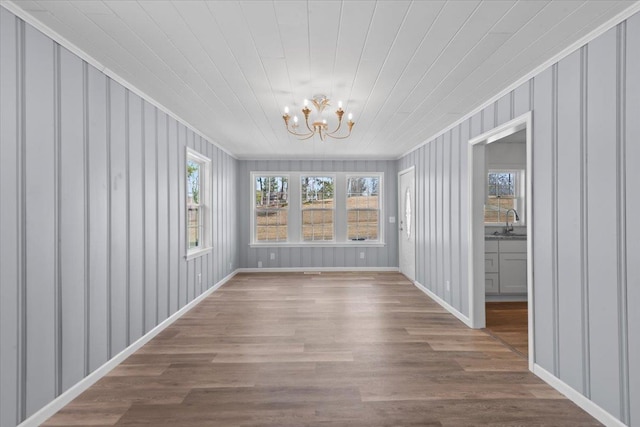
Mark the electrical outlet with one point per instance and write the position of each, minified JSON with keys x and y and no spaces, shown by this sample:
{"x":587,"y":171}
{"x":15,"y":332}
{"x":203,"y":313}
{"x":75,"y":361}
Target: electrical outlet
{"x":200,"y":278}
{"x":392,"y":220}
{"x":272,"y":256}
{"x":361,"y":255}
{"x":259,"y":264}
{"x":230,"y":266}
{"x":448,"y":286}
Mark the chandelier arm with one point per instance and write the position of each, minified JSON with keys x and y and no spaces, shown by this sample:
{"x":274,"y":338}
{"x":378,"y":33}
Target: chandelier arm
{"x":339,"y":137}
{"x":300,"y":135}
{"x":336,"y":129}
{"x":306,"y":121}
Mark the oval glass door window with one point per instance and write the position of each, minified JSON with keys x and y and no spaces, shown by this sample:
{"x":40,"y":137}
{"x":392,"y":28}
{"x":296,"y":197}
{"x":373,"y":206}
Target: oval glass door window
{"x":407,"y":212}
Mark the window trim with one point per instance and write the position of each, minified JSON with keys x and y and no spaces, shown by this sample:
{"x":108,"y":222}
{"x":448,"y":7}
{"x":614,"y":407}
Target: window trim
{"x":520,"y":189}
{"x":294,"y":226}
{"x":380,"y":210}
{"x":205,"y":204}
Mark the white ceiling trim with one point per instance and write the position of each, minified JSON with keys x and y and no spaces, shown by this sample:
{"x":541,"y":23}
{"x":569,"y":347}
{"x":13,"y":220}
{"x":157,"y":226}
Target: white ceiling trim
{"x":622,"y":16}
{"x":62,"y":41}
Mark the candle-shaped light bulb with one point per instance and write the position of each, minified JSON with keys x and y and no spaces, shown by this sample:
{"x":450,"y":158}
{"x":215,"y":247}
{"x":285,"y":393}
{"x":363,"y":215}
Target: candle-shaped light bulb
{"x":324,"y":121}
{"x":306,"y":102}
{"x":286,"y":110}
{"x":295,"y":119}
{"x":350,"y":116}
{"x":339,"y":104}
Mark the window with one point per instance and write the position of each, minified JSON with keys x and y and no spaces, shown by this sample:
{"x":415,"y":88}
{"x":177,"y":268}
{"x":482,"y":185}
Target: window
{"x":505,"y":190}
{"x":363,"y":207}
{"x":298,"y":208}
{"x":271,"y":208}
{"x":198,"y":203}
{"x":317,"y":195}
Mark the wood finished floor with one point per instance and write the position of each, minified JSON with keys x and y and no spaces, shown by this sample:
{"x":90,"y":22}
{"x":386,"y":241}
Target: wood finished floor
{"x":507,"y":321}
{"x":333,"y":349}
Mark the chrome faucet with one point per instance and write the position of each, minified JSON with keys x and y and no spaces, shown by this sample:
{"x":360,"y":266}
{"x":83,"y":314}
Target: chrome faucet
{"x":508,"y":228}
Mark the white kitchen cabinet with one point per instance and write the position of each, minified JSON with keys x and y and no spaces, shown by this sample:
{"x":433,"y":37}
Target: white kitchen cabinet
{"x":513,"y":273}
{"x":505,"y":267}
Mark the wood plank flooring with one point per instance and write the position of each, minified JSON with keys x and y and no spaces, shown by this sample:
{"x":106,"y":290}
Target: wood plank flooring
{"x":336,"y":349}
{"x":507,"y":321}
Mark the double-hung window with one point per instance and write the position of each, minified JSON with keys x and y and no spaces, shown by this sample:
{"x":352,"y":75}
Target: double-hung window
{"x":271,"y":201}
{"x":198,"y":202}
{"x":318,"y":207}
{"x":505,"y":190}
{"x":363,"y":207}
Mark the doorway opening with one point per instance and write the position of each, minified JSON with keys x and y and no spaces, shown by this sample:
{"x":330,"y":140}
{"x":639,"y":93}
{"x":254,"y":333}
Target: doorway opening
{"x":500,"y":249}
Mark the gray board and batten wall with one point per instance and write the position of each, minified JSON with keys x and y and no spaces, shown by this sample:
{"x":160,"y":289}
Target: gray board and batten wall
{"x":92,"y":226}
{"x":586,"y":242}
{"x":330,"y":256}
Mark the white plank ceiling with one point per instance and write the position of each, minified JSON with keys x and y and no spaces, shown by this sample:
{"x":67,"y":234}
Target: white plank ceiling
{"x":405,"y":69}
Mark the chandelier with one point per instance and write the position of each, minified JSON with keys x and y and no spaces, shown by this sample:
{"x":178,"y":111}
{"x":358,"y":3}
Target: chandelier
{"x":318,"y":125}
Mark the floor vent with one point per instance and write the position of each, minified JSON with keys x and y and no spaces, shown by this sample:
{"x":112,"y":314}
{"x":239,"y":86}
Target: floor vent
{"x":312,"y":272}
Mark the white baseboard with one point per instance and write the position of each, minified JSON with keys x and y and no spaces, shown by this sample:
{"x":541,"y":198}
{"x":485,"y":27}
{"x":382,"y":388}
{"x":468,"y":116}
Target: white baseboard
{"x":464,"y":319}
{"x":314,"y":269}
{"x":576,"y":397}
{"x":65,"y":398}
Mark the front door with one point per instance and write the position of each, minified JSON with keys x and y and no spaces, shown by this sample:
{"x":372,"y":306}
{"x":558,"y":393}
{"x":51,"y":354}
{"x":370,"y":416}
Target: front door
{"x":407,"y":221}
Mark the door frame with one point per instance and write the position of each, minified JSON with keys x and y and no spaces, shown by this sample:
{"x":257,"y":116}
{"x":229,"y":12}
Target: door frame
{"x":476,"y":170}
{"x":402,"y":172}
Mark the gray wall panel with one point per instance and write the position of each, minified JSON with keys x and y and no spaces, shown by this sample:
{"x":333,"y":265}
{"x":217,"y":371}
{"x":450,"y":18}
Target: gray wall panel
{"x":632,"y":208}
{"x":94,"y":226}
{"x":9,"y":222}
{"x":522,"y":101}
{"x":40,"y":192}
{"x":98,"y":182}
{"x":162,"y":229}
{"x":543,"y":267}
{"x":569,"y":226}
{"x":71,"y":217}
{"x":173,"y":259}
{"x":297,"y":257}
{"x":602,"y":159}
{"x":118,"y":218}
{"x":136,"y":219}
{"x":505,"y":106}
{"x":454,"y":191}
{"x":151,"y":217}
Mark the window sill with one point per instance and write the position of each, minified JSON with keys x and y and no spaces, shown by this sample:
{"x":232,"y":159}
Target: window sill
{"x":198,"y":253}
{"x":374,"y":244}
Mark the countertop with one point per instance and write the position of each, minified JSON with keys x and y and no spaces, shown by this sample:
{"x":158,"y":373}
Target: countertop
{"x":505,"y":237}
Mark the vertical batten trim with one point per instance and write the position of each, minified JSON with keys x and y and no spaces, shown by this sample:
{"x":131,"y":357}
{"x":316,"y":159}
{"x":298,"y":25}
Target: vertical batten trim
{"x":450,"y":292}
{"x":127,"y":160}
{"x":168,"y":190}
{"x":143,"y":140}
{"x":179,"y":173}
{"x":532,"y":82}
{"x":108,"y":160}
{"x":155,"y":126}
{"x":87,"y":217}
{"x":57,"y":172}
{"x":621,"y":228}
{"x":554,"y":220}
{"x":21,"y":389}
{"x":461,"y":149}
{"x":584,"y":224}
{"x":495,"y":114}
{"x":512,"y":104}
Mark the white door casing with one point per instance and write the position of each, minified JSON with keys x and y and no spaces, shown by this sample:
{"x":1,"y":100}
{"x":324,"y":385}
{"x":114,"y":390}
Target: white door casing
{"x":406,"y":220}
